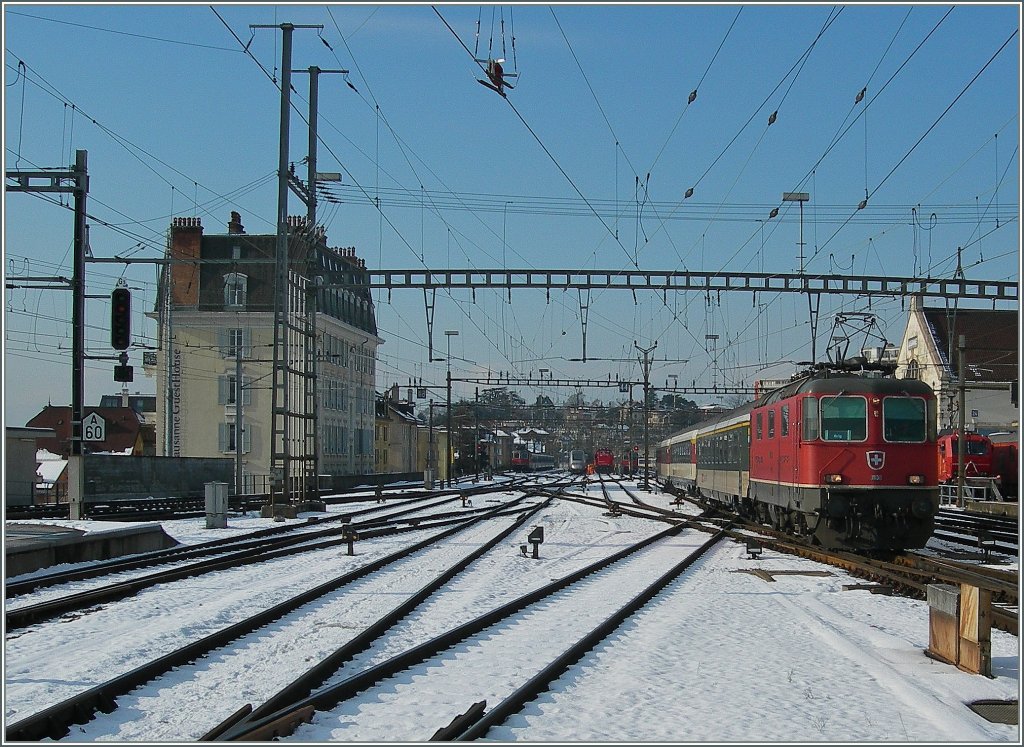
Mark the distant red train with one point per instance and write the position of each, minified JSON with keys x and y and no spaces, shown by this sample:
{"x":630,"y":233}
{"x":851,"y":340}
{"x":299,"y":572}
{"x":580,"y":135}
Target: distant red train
{"x":983,"y":457}
{"x":604,"y":461}
{"x":629,"y":462}
{"x":524,"y":460}
{"x":977,"y":456}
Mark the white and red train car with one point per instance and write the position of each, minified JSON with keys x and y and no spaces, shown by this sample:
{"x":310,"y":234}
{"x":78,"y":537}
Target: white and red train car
{"x":845,"y":459}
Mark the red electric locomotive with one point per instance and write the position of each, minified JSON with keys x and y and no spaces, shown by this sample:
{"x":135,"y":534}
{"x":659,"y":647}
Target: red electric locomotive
{"x":604,"y":461}
{"x":977,"y":456}
{"x":845,"y":459}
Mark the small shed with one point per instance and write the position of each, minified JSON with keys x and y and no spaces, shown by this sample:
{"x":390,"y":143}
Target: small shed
{"x":21,"y":465}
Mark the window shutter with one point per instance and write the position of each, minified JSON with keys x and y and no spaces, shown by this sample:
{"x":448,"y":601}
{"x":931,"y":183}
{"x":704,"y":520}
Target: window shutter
{"x":222,"y":390}
{"x":246,"y":391}
{"x":222,"y":436}
{"x":246,"y":438}
{"x":224,"y":342}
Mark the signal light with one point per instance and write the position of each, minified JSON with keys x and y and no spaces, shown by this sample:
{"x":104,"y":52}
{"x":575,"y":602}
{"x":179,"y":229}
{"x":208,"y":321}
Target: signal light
{"x":120,"y":318}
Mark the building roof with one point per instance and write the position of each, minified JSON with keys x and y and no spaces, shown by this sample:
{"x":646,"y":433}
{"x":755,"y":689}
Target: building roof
{"x":402,"y":413}
{"x":51,"y":466}
{"x":990,"y":336}
{"x":343,"y":294}
{"x":123,"y":425}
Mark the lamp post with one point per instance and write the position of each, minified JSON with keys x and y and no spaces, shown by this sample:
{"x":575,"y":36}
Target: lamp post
{"x":449,"y":333}
{"x":800,"y":197}
{"x":803,"y":197}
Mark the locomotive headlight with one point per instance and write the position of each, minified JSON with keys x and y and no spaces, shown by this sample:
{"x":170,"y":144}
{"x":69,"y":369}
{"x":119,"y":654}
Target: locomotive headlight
{"x":921,"y":507}
{"x":915,"y":480}
{"x":834,"y":479}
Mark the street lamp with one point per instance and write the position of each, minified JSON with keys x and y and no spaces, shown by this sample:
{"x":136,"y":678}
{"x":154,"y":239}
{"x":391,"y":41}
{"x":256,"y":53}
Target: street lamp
{"x":803,"y":197}
{"x":449,"y":333}
{"x":800,"y":197}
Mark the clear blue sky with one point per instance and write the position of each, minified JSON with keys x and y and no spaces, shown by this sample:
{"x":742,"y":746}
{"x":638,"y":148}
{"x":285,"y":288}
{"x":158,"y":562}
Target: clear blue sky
{"x":585,"y":166}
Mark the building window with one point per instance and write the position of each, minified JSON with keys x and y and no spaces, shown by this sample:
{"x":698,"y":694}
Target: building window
{"x":227,"y":441}
{"x":234,"y":290}
{"x":913,"y":370}
{"x":227,"y":388}
{"x":234,"y":342}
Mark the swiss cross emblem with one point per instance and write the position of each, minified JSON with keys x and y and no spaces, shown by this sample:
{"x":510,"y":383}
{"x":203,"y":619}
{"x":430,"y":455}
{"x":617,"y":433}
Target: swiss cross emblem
{"x":876,"y":459}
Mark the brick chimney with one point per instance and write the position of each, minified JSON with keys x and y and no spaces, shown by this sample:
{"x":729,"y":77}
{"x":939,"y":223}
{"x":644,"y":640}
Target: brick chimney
{"x":186,"y":242}
{"x":235,"y":224}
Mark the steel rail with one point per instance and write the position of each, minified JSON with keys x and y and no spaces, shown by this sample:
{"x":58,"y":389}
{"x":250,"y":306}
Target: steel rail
{"x":540,"y":682}
{"x":302,"y":686}
{"x":284,"y":721}
{"x":173,"y":554}
{"x":53,"y":722}
{"x":42,"y":611}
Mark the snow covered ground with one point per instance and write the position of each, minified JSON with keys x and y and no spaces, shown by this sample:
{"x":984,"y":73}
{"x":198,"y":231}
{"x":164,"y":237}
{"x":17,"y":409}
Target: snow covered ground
{"x":721,"y":656}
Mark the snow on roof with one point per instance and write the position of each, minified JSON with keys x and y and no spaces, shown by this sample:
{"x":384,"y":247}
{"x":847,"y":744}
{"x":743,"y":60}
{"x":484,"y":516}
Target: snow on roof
{"x":50,"y":466}
{"x":50,"y":470}
{"x":125,"y":452}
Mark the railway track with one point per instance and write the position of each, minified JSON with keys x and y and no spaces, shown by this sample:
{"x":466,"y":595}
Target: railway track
{"x":194,"y":506}
{"x":482,"y":631}
{"x":995,"y":533}
{"x":909,"y":574}
{"x":54,"y":721}
{"x":247,"y":553}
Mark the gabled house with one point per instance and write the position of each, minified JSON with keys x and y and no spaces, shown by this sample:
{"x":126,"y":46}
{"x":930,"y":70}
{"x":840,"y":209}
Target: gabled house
{"x":929,"y":352}
{"x":396,"y":434}
{"x":123,"y":430}
{"x":21,"y":464}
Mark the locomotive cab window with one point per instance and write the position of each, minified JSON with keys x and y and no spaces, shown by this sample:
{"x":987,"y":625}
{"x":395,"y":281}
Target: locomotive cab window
{"x":760,"y":426}
{"x":784,"y":424}
{"x":810,"y":413}
{"x":977,"y":448}
{"x":771,"y":424}
{"x":904,"y":419}
{"x":844,"y":418}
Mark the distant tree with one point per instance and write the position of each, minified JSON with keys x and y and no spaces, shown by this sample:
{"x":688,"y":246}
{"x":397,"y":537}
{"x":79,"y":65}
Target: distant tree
{"x":500,"y":403}
{"x":736,"y":400}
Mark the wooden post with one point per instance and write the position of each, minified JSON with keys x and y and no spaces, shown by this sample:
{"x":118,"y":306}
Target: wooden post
{"x":975,"y":630}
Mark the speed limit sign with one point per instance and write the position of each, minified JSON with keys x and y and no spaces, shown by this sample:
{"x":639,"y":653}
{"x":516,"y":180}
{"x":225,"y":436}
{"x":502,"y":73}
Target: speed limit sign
{"x":94,"y":428}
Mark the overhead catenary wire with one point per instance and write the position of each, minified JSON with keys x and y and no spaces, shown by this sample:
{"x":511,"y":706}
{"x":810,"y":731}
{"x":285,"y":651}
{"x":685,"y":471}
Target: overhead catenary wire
{"x":543,"y":146}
